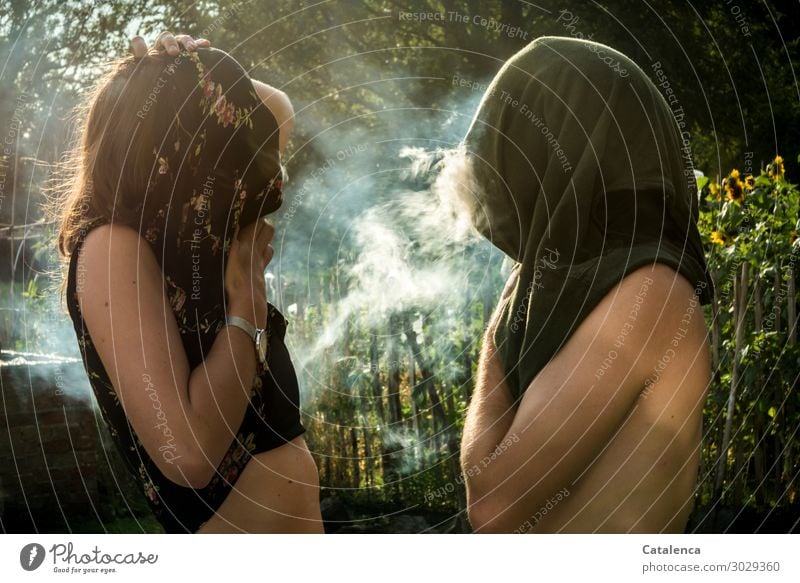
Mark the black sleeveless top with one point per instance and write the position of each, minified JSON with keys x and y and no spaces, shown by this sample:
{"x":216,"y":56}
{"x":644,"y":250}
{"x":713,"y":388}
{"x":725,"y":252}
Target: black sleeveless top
{"x":271,"y":420}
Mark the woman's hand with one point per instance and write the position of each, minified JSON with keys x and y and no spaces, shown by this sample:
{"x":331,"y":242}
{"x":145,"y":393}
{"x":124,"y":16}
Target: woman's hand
{"x":168,"y":43}
{"x":250,"y":253}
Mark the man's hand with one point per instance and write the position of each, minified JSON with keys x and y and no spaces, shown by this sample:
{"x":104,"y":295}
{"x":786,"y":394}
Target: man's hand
{"x":168,"y":43}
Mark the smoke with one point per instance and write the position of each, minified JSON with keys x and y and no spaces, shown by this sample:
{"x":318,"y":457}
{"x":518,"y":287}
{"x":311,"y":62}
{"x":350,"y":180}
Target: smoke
{"x":410,"y":253}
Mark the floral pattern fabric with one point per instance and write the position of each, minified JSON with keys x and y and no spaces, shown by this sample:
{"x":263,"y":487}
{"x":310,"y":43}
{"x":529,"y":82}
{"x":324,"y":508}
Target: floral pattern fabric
{"x":221,"y":169}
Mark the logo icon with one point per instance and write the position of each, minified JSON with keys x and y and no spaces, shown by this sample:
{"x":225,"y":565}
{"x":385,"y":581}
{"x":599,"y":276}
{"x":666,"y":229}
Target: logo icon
{"x":31,"y":556}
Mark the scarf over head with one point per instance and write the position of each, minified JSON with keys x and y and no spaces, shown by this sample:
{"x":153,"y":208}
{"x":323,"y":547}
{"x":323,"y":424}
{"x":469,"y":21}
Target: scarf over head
{"x":211,"y":164}
{"x":217,"y":168}
{"x":581,"y":175}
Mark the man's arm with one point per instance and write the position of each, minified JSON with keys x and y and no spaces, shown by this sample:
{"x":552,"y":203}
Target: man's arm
{"x":572,"y":408}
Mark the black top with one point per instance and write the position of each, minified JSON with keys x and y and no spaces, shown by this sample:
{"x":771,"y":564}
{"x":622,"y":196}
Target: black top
{"x":210,"y":162}
{"x":271,"y":420}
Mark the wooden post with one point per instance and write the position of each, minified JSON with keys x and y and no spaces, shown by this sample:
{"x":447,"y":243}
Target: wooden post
{"x":716,"y":325}
{"x":791,"y":306}
{"x":740,"y":311}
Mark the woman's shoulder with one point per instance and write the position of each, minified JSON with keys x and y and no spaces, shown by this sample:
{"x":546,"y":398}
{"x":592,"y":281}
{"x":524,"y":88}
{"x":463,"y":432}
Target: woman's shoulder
{"x":112,"y":256}
{"x":113,"y":241}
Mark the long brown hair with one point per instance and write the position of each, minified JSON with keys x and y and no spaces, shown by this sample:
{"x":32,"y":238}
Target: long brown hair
{"x":105,"y":173}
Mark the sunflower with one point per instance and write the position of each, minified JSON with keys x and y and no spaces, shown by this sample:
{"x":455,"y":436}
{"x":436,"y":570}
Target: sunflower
{"x":775,"y":170}
{"x":749,"y":182}
{"x":719,"y":238}
{"x":713,"y":188}
{"x":734,"y":190}
{"x":734,"y":173}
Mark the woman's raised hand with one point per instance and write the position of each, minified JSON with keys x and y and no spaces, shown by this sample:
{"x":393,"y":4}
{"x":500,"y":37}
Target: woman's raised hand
{"x":169,"y":43}
{"x":250,"y":253}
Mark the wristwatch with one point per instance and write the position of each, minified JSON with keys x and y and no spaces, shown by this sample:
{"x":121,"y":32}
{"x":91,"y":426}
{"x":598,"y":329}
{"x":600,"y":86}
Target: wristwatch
{"x":259,"y":336}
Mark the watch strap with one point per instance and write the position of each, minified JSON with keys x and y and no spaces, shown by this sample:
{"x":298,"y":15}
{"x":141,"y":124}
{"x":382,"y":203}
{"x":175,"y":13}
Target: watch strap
{"x":243,"y":324}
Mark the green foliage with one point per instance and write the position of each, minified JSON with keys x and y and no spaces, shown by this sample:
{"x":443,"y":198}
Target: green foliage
{"x":384,"y":404}
{"x":753,"y":220}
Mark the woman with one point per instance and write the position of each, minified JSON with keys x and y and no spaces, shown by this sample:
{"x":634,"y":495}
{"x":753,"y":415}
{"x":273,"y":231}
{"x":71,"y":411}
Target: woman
{"x":178,"y":163}
{"x":587,"y":415}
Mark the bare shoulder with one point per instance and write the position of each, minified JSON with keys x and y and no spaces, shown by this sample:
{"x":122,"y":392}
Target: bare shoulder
{"x":638,"y":318}
{"x":106,"y":240}
{"x":651,"y":295}
{"x":118,"y":264}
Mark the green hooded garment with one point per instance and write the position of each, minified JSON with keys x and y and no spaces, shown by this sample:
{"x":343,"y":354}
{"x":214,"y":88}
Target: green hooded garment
{"x":580,"y":174}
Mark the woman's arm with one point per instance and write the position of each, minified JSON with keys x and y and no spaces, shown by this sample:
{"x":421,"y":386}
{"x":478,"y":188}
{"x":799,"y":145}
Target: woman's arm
{"x":573,"y":407}
{"x":276,"y":100}
{"x":186,"y":419}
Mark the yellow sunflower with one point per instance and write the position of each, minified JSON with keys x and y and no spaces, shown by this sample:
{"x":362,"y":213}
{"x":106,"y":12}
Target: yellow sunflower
{"x":734,"y":189}
{"x":776,"y":169}
{"x":749,"y":182}
{"x":718,"y":238}
{"x":713,"y":188}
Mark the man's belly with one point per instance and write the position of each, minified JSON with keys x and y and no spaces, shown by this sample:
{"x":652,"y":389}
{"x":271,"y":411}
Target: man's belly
{"x":278,"y":492}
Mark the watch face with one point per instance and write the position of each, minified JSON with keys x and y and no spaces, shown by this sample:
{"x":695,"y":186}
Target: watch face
{"x":261,"y":344}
